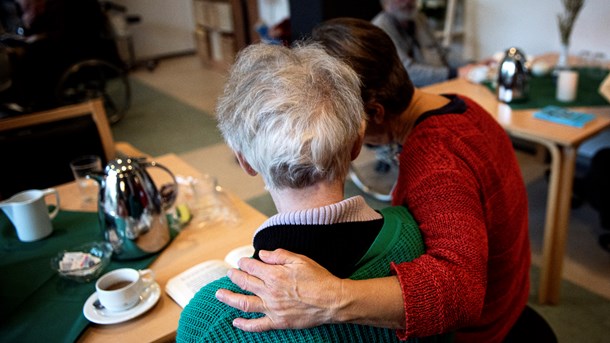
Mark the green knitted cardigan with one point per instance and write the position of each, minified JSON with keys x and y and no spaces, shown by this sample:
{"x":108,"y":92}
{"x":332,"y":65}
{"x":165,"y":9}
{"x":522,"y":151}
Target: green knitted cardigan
{"x":206,"y":319}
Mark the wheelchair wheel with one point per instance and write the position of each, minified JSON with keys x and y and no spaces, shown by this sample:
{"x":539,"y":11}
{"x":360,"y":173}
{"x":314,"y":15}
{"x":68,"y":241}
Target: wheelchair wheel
{"x":92,"y":79}
{"x":375,"y":171}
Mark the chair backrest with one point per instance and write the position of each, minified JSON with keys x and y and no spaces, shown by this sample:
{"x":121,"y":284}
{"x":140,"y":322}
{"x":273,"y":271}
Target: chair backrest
{"x":36,"y":148}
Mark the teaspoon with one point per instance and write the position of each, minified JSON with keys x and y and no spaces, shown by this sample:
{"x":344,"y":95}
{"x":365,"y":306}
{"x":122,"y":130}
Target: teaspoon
{"x":98,"y":305}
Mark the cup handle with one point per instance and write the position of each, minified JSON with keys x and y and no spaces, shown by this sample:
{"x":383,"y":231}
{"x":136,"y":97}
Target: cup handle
{"x":53,"y":191}
{"x":148,"y":277}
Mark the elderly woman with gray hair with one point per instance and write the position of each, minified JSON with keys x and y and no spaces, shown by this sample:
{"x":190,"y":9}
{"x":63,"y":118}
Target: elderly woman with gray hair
{"x":295,"y":116}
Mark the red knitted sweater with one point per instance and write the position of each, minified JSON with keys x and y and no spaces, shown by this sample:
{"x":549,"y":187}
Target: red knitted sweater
{"x":460,"y":179}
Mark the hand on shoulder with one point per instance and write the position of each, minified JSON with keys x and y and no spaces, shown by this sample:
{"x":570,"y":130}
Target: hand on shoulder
{"x":293,"y":292}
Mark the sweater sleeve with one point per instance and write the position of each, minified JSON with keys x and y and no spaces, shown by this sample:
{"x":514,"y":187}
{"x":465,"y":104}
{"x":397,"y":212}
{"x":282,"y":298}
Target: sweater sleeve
{"x":445,"y":288}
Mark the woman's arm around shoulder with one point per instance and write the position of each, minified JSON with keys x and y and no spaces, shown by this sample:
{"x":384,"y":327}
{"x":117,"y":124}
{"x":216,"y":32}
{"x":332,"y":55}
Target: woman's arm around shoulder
{"x":294,"y":292}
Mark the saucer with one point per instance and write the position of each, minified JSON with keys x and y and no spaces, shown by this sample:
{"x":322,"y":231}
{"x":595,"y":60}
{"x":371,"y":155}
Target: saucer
{"x":148,"y":299}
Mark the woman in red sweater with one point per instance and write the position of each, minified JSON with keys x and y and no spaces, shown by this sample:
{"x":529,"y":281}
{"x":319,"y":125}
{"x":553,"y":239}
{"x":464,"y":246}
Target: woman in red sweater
{"x":459,"y":177}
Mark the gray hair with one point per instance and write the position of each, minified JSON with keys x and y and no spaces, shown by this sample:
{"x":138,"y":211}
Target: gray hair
{"x":294,"y":114}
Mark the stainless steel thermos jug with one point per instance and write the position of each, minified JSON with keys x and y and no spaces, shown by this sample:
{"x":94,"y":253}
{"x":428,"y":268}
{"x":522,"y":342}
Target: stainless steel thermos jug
{"x":132,"y":210}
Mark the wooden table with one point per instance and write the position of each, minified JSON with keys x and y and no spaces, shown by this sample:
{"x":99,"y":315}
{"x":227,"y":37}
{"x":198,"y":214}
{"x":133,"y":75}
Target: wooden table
{"x":562,"y":142}
{"x":191,"y":246}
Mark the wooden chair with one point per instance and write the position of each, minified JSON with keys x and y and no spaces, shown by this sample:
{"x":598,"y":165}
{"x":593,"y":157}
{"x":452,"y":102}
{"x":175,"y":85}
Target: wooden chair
{"x":37,"y":148}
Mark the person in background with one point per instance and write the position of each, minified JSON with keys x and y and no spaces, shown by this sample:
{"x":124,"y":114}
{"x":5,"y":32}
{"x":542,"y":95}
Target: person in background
{"x":46,"y":38}
{"x":420,"y":52}
{"x":295,"y":116}
{"x":460,"y":179}
{"x":278,"y":34}
{"x":422,"y":55}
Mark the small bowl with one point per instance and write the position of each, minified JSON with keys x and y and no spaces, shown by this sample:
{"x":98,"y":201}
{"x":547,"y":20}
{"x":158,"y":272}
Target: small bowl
{"x":100,"y":254}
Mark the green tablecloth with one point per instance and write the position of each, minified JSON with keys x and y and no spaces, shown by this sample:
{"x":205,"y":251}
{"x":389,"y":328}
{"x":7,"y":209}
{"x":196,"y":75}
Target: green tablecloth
{"x":35,"y":303}
{"x":542,"y":92}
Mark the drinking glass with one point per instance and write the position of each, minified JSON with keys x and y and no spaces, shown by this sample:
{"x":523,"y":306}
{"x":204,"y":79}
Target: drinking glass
{"x":598,"y":65}
{"x":81,"y":167}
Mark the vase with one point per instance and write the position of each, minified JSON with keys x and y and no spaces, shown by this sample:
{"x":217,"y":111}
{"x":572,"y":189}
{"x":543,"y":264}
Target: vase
{"x":562,"y":62}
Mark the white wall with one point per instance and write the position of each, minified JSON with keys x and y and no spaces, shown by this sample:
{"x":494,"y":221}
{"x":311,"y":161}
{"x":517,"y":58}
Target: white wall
{"x":166,"y":27}
{"x":531,"y":25}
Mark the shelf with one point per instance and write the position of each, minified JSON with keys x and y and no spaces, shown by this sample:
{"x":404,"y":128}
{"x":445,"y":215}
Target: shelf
{"x":221,"y":29}
{"x":451,"y":26}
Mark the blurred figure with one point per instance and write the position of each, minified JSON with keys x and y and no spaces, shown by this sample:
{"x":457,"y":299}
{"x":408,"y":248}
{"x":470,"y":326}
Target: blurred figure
{"x":426,"y":61}
{"x":278,"y":34}
{"x":45,"y":38}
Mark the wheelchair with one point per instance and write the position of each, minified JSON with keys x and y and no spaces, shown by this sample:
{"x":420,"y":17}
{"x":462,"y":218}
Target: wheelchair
{"x":375,"y":171}
{"x":91,"y":79}
{"x":62,"y":71}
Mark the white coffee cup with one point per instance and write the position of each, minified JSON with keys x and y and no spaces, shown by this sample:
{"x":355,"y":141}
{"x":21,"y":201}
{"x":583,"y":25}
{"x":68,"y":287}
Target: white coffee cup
{"x":120,"y":289}
{"x":29,"y":213}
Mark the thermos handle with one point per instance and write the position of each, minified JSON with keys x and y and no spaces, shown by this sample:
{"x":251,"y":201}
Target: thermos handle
{"x":168,"y":191}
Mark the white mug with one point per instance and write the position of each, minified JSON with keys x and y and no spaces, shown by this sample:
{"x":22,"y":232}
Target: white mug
{"x":120,"y":289}
{"x":29,"y":213}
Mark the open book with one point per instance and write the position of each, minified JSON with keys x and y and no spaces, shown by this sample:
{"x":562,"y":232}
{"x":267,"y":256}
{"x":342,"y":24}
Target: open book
{"x":182,"y":287}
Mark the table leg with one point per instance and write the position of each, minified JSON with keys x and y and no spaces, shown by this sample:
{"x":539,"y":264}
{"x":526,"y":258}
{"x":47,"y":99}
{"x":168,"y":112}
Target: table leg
{"x":555,"y":237}
{"x":550,"y":222}
{"x":557,"y":222}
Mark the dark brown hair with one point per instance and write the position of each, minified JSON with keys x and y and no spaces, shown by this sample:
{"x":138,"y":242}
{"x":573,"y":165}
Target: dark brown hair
{"x":372,"y":54}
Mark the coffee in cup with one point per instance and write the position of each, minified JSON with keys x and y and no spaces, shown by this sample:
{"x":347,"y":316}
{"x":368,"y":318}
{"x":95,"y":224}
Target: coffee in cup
{"x":120,"y":289}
